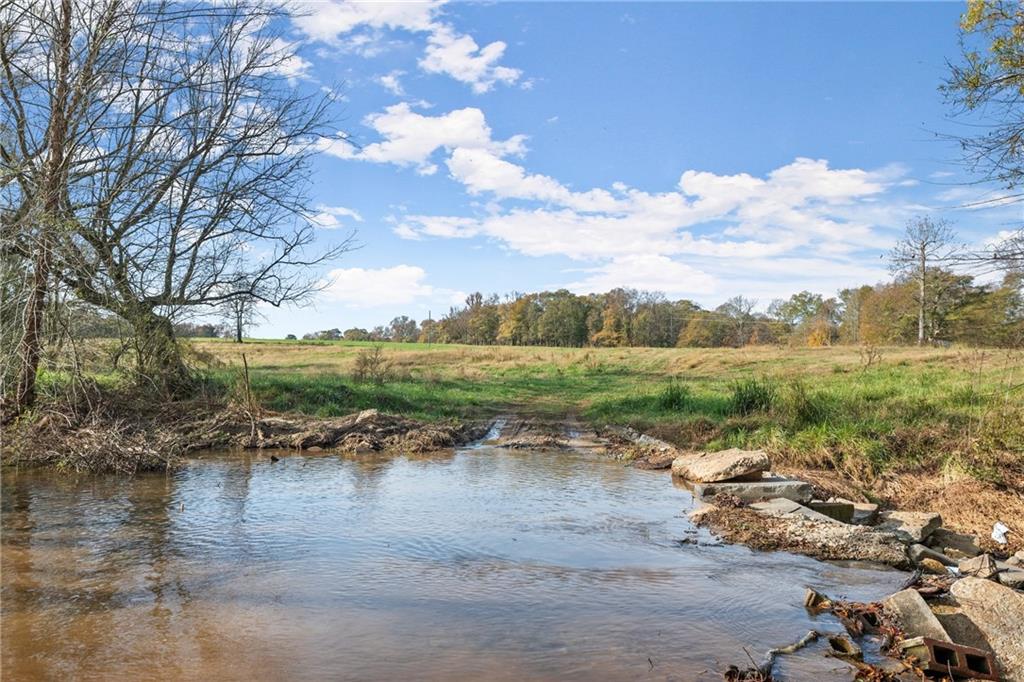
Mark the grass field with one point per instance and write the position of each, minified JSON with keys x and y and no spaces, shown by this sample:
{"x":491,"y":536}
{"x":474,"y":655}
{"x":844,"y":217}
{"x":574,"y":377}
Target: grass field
{"x":821,"y":408}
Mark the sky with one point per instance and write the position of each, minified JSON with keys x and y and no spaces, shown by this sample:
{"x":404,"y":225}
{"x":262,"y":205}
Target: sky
{"x":702,"y":150}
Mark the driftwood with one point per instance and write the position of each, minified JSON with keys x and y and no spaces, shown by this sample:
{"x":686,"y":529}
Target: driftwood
{"x":763,"y":672}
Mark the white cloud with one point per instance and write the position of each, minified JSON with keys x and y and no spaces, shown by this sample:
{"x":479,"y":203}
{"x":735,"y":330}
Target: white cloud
{"x":368,"y":288}
{"x":649,"y":272}
{"x":391,"y":83}
{"x":460,"y":57}
{"x":702,"y":235}
{"x":330,"y":217}
{"x":410,"y":138}
{"x":329,"y":21}
{"x":447,"y":51}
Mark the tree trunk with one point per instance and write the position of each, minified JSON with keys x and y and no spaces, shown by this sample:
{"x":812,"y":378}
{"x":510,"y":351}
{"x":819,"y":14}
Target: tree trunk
{"x":158,"y":357}
{"x":238,"y":329}
{"x":920,"y":299}
{"x":31,"y":342}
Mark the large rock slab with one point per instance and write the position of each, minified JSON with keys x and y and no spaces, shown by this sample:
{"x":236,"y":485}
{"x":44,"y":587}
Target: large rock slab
{"x":767,"y":488}
{"x":997,"y":612}
{"x":914,"y":616}
{"x":780,"y":506}
{"x":911,"y":527}
{"x":725,"y":465}
{"x":948,"y":541}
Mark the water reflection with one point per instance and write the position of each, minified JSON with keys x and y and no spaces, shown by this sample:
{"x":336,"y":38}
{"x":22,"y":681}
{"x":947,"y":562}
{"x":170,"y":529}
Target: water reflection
{"x":476,"y":564}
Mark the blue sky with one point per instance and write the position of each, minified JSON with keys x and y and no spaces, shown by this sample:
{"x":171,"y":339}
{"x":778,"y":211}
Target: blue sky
{"x":704,"y":150}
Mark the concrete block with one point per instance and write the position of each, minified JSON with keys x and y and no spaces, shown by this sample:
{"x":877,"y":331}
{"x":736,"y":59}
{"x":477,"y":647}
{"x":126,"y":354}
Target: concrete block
{"x":951,"y":659}
{"x":910,"y":527}
{"x":780,"y":506}
{"x":840,"y":511}
{"x":753,"y":491}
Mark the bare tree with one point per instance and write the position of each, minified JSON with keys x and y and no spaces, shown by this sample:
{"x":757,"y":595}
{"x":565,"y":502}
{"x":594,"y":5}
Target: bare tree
{"x":926,"y":243}
{"x":156,"y":157}
{"x":240,"y":313}
{"x":987,"y":85}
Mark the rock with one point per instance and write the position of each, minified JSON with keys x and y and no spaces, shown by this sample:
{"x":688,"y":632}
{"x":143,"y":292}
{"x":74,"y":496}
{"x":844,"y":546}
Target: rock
{"x":911,"y":527}
{"x":918,"y":553}
{"x":1012,"y":578}
{"x":840,"y":511}
{"x":998,"y":614}
{"x":1017,"y":560}
{"x":780,"y":506}
{"x":983,"y":567}
{"x":932,"y":566}
{"x":946,"y":540}
{"x":725,"y":465}
{"x":753,"y":491}
{"x":914,"y":616}
{"x":865,"y":513}
{"x":698,"y":514}
{"x":680,"y":465}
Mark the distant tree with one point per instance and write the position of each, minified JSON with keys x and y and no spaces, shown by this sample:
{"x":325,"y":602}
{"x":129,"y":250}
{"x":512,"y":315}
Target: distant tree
{"x":517,"y":322}
{"x":706,"y":329}
{"x":925,"y":244}
{"x":325,"y":335}
{"x":851,"y":303}
{"x":403,"y":329}
{"x":356,"y":334}
{"x":739,"y":311}
{"x":290,"y":337}
{"x":239,"y":313}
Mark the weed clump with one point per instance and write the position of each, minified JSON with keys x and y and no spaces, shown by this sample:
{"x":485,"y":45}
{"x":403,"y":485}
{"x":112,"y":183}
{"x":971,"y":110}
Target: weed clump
{"x":752,"y":395}
{"x":675,"y":397}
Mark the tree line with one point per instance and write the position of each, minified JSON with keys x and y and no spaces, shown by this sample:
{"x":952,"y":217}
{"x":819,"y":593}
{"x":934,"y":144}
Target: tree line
{"x":926,"y":302}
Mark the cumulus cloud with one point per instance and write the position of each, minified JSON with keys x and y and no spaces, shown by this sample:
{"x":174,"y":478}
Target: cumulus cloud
{"x":368,"y":287}
{"x":410,"y":138}
{"x":689,"y":238}
{"x":649,"y":272}
{"x":460,"y":57}
{"x":447,"y":51}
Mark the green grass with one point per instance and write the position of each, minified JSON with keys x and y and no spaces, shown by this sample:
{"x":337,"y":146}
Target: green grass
{"x":820,"y":407}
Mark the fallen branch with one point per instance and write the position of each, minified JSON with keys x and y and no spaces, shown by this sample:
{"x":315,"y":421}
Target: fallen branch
{"x":763,"y":672}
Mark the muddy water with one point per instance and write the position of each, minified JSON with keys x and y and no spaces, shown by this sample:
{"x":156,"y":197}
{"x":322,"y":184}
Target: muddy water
{"x":479,"y":564}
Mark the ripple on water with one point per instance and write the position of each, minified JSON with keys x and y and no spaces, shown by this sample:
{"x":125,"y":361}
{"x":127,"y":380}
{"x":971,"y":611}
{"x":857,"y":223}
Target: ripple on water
{"x":483,"y":564}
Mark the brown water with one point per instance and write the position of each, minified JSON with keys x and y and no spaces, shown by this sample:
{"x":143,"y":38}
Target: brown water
{"x":481,"y":564}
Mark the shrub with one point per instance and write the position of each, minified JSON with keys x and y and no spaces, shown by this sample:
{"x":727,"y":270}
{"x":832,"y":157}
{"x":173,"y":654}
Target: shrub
{"x":371,"y":365}
{"x":752,"y":395}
